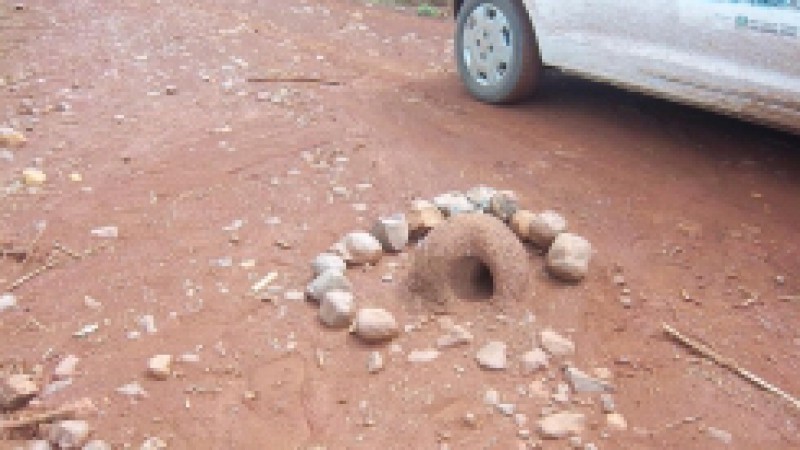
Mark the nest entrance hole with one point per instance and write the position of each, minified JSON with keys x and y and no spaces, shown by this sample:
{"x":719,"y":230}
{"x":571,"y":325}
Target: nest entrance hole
{"x":471,"y":279}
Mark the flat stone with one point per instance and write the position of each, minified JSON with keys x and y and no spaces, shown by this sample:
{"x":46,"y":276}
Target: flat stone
{"x":327,"y":261}
{"x":331,"y":280}
{"x":11,"y":138}
{"x":453,"y":203}
{"x":555,"y":344}
{"x":492,"y":356}
{"x":616,"y":422}
{"x":132,"y":389}
{"x":582,"y":382}
{"x":423,"y":356}
{"x":568,"y":257}
{"x":361,"y":248}
{"x":456,"y":335}
{"x":66,"y":367}
{"x":337,"y":309}
{"x":534,"y":360}
{"x":521,"y":223}
{"x":17,"y":390}
{"x":69,"y":433}
{"x":561,"y":425}
{"x":545,"y":226}
{"x":392,"y":232}
{"x":375,"y":325}
{"x":160,"y":366}
{"x":720,"y":435}
{"x":423,"y":216}
{"x":374,"y":362}
{"x":481,"y":197}
{"x":503,"y":205}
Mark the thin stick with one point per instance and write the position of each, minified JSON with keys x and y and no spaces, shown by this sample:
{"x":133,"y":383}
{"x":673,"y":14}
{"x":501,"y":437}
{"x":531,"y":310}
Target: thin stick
{"x":51,"y":262}
{"x":729,"y":364}
{"x":67,"y":411}
{"x":63,"y":248}
{"x":293,"y":80}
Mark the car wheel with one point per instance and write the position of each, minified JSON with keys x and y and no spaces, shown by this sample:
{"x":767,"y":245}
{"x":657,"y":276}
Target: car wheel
{"x":496,"y":50}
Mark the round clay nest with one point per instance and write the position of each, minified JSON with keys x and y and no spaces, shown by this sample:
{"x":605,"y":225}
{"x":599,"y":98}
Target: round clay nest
{"x":469,"y":257}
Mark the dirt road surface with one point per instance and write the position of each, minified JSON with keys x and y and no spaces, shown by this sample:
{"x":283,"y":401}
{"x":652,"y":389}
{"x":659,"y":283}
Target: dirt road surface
{"x":158,"y":118}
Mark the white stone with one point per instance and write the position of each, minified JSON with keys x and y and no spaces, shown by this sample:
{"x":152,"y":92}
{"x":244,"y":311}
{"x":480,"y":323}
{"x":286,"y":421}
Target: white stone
{"x":453,"y":203}
{"x":133,"y":389}
{"x":506,"y":409}
{"x":561,"y":425}
{"x":492,"y":356}
{"x":503,"y":205}
{"x":17,"y":390}
{"x":423,"y":216}
{"x":607,"y":403}
{"x":374,"y":362}
{"x":545,"y":226}
{"x":327,"y":261}
{"x":555,"y":344}
{"x":69,"y":433}
{"x":561,"y":395}
{"x":491,"y":398}
{"x":54,"y":387}
{"x":723,"y":436}
{"x":109,"y":231}
{"x":423,"y":356}
{"x":7,"y":301}
{"x":38,"y":444}
{"x":97,"y":444}
{"x":568,"y":257}
{"x":481,"y":197}
{"x":331,"y":280}
{"x":32,"y":176}
{"x":337,"y":309}
{"x":375,"y":325}
{"x":160,"y":366}
{"x":391,"y":232}
{"x":153,"y":443}
{"x":66,"y":367}
{"x":148,"y":323}
{"x":456,"y":335}
{"x":582,"y":382}
{"x":616,"y":422}
{"x":361,"y":248}
{"x":534,"y":360}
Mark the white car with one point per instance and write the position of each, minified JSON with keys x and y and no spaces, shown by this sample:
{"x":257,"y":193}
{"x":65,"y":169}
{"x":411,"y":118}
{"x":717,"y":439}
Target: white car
{"x":740,"y":57}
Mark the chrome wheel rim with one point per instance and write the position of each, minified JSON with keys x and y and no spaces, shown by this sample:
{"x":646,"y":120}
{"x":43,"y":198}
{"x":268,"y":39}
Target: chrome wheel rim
{"x":487,"y":45}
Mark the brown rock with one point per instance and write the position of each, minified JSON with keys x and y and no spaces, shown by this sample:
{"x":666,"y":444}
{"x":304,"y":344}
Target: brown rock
{"x":16,"y":391}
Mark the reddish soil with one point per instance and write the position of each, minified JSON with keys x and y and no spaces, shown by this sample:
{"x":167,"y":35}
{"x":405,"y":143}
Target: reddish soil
{"x":680,"y":201}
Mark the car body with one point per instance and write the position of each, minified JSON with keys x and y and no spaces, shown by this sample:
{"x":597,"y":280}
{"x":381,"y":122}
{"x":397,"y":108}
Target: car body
{"x":740,"y":57}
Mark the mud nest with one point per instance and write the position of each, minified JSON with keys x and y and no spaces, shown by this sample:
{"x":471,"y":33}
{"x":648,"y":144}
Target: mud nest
{"x":469,"y":257}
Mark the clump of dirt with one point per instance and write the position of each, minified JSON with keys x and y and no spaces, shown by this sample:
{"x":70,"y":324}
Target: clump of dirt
{"x":469,"y":257}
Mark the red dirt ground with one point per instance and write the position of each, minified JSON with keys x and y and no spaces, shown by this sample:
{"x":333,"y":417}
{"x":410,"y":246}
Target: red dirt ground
{"x":678,"y":200}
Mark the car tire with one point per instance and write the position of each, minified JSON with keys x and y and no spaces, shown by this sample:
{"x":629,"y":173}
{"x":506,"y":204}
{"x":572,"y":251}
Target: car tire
{"x":496,"y":51}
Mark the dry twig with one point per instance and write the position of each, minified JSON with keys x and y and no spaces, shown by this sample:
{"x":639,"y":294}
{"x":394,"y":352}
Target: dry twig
{"x":81,"y":407}
{"x":729,"y":364}
{"x":293,"y":80}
